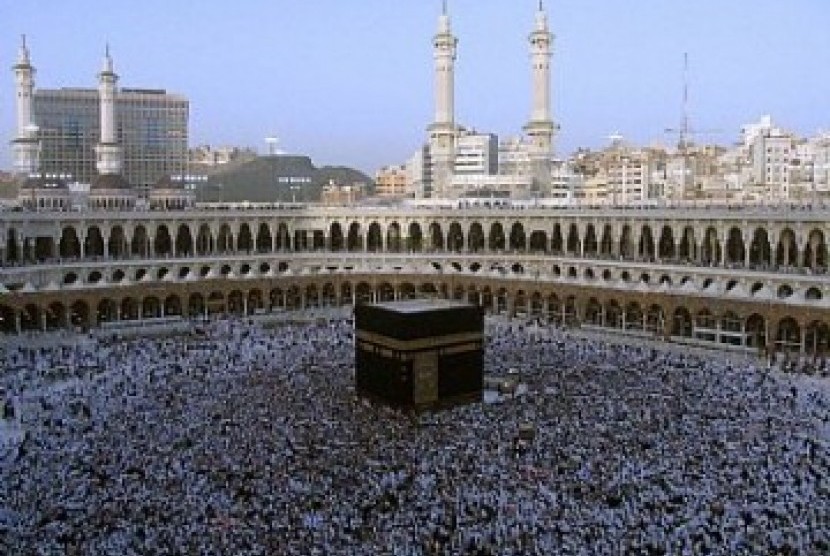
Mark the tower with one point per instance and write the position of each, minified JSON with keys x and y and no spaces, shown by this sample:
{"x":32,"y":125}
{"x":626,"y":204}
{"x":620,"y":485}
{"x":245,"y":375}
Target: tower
{"x":25,"y":145}
{"x":108,"y":150}
{"x":540,"y":129}
{"x":442,"y":131}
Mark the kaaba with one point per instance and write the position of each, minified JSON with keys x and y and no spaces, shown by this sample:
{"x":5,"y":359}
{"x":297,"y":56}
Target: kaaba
{"x":419,"y":353}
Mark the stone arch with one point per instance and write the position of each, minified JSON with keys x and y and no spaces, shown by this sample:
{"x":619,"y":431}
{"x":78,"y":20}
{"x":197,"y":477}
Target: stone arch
{"x":264,"y":241}
{"x":554,"y":308}
{"x":817,"y":338}
{"x":29,"y":318}
{"x":79,"y":315}
{"x":55,"y":315}
{"x":665,"y":247}
{"x":374,"y":238}
{"x":204,"y":240}
{"x":184,"y":241}
{"x":537,"y":304}
{"x":755,"y":330}
{"x":346,"y":293}
{"x":815,"y":251}
{"x":224,"y":241}
{"x":760,"y":251}
{"x":606,"y":244}
{"x":593,"y":313}
{"x":557,"y":245}
{"x":415,"y":239}
{"x":682,"y":324}
{"x":94,"y":242}
{"x":788,"y":337}
{"x":312,"y":296}
{"x":538,"y":241}
{"x":501,"y":300}
{"x":455,"y":237}
{"x":8,"y":320}
{"x":633,"y":316}
{"x":276,"y":299}
{"x":408,"y":291}
{"x":117,"y":245}
{"x":163,"y":244}
{"x":244,"y":239}
{"x":705,"y":324}
{"x":256,"y":303}
{"x":151,"y":307}
{"x":336,"y":240}
{"x":518,"y":239}
{"x":591,"y":244}
{"x":655,"y":319}
{"x":363,"y":293}
{"x":107,"y":310}
{"x":626,"y":243}
{"x":428,"y":289}
{"x":196,"y":305}
{"x":354,"y":241}
{"x":520,"y":303}
{"x":613,"y":314}
{"x":385,"y":292}
{"x":283,"y":239}
{"x":236,"y":304}
{"x":436,"y":237}
{"x":687,"y":250}
{"x":711,"y":253}
{"x":475,"y":237}
{"x":130,"y":309}
{"x":215,"y":303}
{"x":574,"y":244}
{"x":172,"y":306}
{"x":496,"y":237}
{"x":329,"y":295}
{"x":731,"y":328}
{"x":69,"y":247}
{"x":394,"y":242}
{"x":44,"y":248}
{"x":646,"y":248}
{"x":735,"y":250}
{"x":13,"y":253}
{"x":786,"y":253}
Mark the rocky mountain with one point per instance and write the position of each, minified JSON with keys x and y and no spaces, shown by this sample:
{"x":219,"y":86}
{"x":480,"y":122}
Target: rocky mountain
{"x":276,"y":178}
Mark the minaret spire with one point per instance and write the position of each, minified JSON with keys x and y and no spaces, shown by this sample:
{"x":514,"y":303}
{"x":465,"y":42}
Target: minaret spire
{"x":25,"y":145}
{"x":109,"y":151}
{"x":23,"y":52}
{"x":540,"y":129}
{"x":442,"y":131}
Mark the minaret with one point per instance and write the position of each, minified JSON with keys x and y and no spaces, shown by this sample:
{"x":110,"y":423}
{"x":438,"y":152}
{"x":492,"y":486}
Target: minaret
{"x":25,"y":145}
{"x":442,"y":131}
{"x":108,"y":149}
{"x":540,"y":129}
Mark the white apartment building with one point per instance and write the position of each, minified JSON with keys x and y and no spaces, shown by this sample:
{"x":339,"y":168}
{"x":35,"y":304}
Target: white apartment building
{"x":419,"y":174}
{"x":476,"y":153}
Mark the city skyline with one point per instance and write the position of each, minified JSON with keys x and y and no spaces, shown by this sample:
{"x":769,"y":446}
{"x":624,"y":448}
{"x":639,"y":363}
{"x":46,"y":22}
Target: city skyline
{"x":362,"y":96}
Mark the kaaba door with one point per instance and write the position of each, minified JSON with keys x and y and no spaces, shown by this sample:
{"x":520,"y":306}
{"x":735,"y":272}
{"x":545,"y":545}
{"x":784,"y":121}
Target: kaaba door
{"x":425,"y":378}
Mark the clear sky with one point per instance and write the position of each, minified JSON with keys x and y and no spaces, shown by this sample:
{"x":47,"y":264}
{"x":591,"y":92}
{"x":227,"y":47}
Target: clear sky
{"x":350,"y":81}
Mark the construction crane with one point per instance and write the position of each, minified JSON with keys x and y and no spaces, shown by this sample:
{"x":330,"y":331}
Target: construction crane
{"x":685,"y":132}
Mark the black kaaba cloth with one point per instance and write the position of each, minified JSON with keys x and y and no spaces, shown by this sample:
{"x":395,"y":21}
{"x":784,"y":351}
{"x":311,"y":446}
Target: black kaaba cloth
{"x":419,"y":352}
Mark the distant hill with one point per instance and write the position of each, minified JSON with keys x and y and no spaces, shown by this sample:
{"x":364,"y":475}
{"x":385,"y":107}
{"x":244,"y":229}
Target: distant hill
{"x":277,"y":178}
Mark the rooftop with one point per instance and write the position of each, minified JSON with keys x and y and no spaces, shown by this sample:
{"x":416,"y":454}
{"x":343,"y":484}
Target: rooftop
{"x":411,"y":306}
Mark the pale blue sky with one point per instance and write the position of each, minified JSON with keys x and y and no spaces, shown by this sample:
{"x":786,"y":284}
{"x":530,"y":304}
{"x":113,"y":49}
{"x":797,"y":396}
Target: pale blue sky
{"x":350,"y":81}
